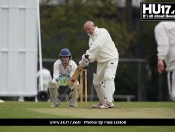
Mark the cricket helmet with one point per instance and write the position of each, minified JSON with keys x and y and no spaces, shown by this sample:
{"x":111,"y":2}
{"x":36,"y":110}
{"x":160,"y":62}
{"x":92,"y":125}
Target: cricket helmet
{"x":65,"y":52}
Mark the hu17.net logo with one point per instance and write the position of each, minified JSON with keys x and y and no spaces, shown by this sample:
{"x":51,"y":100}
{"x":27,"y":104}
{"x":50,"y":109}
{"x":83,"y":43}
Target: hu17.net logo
{"x":150,"y":11}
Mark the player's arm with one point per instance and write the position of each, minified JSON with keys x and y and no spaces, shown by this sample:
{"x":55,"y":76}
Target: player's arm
{"x":162,"y":41}
{"x":97,"y":44}
{"x":162,"y":46}
{"x":84,"y":61}
{"x":74,"y":67}
{"x":56,"y":71}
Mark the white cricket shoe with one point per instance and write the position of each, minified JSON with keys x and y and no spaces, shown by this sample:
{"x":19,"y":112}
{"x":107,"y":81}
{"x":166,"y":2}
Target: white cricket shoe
{"x":55,"y":104}
{"x":112,"y":105}
{"x":106,"y":105}
{"x":96,"y":105}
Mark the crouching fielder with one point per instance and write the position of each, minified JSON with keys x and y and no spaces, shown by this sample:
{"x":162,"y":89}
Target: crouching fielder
{"x":102,"y":49}
{"x":64,"y":67}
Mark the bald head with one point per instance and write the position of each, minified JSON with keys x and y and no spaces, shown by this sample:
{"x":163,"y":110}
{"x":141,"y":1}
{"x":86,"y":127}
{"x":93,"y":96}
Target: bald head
{"x":88,"y":23}
{"x":89,"y":27}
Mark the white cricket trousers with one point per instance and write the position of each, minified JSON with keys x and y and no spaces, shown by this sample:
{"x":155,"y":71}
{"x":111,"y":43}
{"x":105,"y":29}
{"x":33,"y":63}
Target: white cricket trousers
{"x":171,"y":84}
{"x":106,"y":72}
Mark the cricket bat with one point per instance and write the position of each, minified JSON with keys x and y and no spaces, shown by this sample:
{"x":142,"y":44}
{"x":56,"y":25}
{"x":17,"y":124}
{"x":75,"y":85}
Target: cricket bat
{"x":75,"y":75}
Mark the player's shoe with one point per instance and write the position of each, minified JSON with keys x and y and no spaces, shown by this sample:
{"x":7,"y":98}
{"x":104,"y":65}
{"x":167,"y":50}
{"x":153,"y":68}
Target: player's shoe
{"x":71,"y":103}
{"x":106,"y":105}
{"x":112,"y":105}
{"x":55,"y":104}
{"x":96,"y":105}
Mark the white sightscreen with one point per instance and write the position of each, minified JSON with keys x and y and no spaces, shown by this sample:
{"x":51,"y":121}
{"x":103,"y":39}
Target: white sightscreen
{"x":18,"y":47}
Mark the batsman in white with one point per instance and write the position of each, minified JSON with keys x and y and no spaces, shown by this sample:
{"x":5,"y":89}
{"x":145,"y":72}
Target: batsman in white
{"x":165,"y":38}
{"x":64,"y":67}
{"x":46,"y":78}
{"x":102,"y":49}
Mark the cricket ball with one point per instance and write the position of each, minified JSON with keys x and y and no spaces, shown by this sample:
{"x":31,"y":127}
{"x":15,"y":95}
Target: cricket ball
{"x":73,"y":80}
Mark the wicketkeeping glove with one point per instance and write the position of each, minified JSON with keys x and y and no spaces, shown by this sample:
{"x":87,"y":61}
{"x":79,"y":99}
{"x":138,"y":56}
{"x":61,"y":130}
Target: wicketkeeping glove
{"x":63,"y":80}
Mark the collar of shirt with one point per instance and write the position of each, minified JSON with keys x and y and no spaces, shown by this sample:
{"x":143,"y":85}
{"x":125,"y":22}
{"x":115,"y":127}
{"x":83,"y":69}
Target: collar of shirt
{"x":70,"y":63}
{"x":94,"y":32}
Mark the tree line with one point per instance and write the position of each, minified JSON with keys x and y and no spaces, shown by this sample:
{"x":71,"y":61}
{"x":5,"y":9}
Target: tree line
{"x":62,"y":26}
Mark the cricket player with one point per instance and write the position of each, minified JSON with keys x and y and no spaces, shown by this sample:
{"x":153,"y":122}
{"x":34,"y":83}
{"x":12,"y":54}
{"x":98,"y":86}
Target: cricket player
{"x":64,"y":67}
{"x":46,"y":78}
{"x":165,"y":38}
{"x":101,"y":49}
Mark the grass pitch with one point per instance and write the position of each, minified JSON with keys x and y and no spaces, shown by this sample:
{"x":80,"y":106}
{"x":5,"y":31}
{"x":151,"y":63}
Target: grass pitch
{"x":13,"y":109}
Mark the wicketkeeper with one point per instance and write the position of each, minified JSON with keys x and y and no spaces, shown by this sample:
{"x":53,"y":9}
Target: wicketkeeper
{"x":102,"y":49}
{"x":64,"y":67}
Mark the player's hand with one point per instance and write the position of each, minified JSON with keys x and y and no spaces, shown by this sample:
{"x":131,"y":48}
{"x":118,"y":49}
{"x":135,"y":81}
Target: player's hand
{"x":84,"y":61}
{"x":63,"y":80}
{"x":160,"y":66}
{"x":85,"y":57}
{"x":68,"y":76}
{"x":59,"y":77}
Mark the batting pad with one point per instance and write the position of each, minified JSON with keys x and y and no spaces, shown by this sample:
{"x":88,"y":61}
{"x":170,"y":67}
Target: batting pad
{"x":109,"y":90}
{"x":53,"y":92}
{"x":99,"y":88}
{"x":73,"y":96}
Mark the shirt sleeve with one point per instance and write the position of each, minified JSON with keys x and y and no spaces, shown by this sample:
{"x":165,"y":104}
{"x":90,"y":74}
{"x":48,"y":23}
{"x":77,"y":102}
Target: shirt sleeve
{"x":98,"y":43}
{"x":56,"y":71}
{"x":74,"y":67}
{"x":161,"y":37}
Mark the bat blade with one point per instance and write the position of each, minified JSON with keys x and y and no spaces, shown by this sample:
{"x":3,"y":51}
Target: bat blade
{"x":75,"y":75}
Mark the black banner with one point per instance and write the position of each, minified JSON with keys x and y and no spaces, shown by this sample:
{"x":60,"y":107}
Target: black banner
{"x":87,"y":122}
{"x":156,"y":11}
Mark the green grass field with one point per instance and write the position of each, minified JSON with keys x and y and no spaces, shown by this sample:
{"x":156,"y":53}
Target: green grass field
{"x":14,"y":109}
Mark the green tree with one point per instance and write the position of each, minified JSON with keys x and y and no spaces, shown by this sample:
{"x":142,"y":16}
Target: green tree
{"x":62,"y":26}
